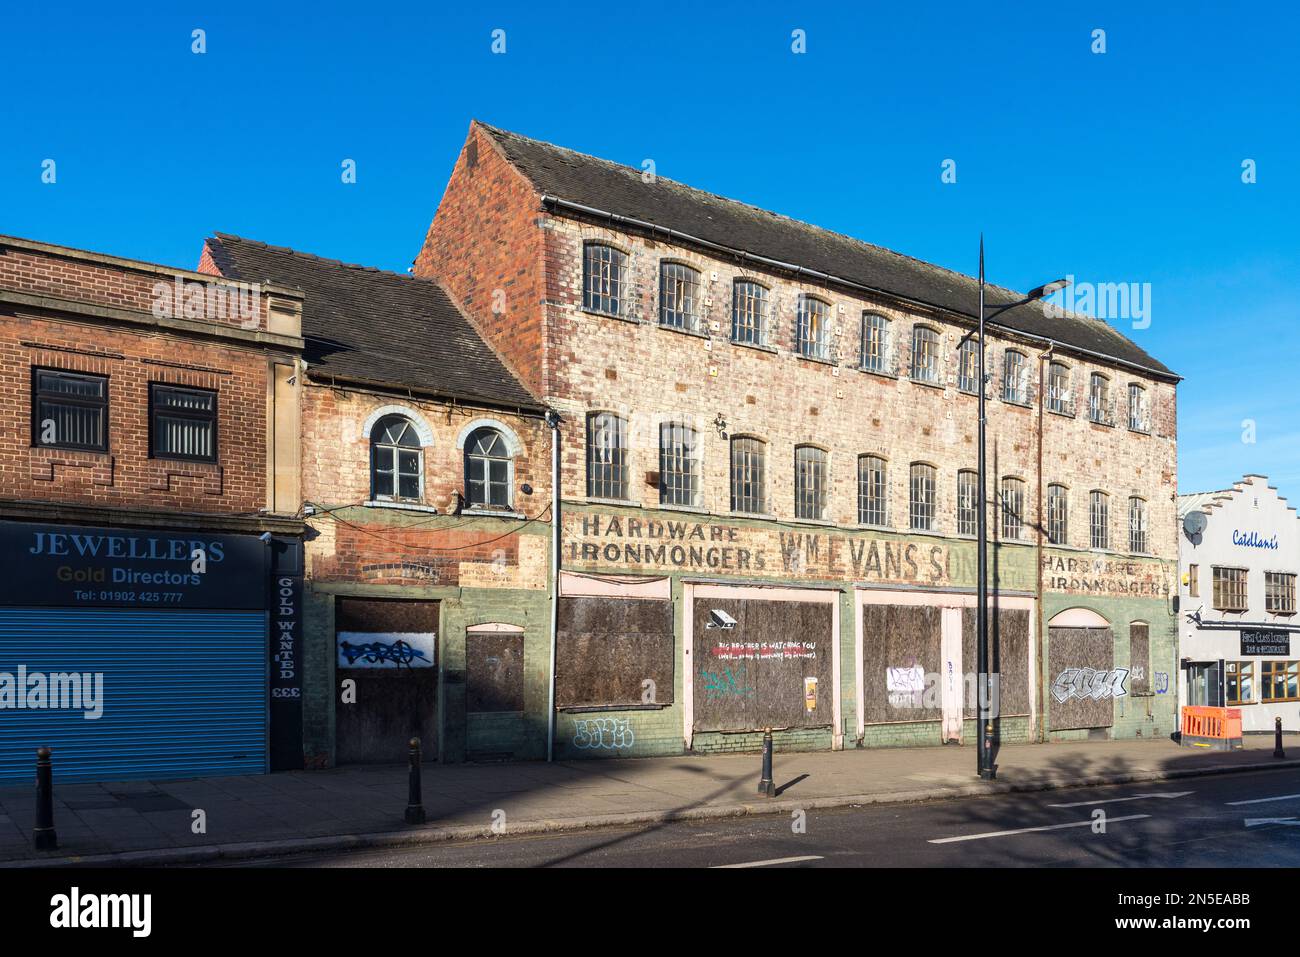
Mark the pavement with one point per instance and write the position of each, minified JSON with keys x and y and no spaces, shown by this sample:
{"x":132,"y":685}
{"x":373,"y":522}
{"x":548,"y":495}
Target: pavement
{"x":244,"y":817}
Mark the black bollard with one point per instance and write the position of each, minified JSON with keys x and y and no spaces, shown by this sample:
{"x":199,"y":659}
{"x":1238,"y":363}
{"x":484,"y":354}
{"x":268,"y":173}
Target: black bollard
{"x":1277,"y":738}
{"x":765,"y":786}
{"x":414,"y":803}
{"x":43,"y":836}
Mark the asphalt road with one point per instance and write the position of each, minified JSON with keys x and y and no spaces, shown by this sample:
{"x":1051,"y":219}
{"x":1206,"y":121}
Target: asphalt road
{"x":1233,"y":820}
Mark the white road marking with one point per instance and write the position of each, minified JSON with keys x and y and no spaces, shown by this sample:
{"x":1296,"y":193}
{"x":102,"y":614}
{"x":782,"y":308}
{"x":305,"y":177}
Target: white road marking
{"x":1280,"y":797}
{"x":779,"y":860}
{"x":1257,"y":821}
{"x":1027,"y":830}
{"x":1135,"y":797}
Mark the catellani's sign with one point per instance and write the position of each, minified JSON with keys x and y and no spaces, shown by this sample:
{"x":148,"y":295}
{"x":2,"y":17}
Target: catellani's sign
{"x":1265,"y":642}
{"x":72,"y":565}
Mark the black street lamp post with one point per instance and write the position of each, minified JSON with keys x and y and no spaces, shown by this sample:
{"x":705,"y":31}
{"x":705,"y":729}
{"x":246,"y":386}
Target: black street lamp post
{"x":984,"y":756}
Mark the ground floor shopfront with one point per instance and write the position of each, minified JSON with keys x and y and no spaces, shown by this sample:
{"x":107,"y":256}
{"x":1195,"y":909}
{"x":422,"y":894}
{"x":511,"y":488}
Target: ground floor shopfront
{"x":150,"y":651}
{"x":1255,"y":670}
{"x":680,"y":632}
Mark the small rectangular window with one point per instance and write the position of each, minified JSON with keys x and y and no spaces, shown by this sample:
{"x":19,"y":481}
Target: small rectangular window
{"x":1098,"y":520}
{"x":809,"y":482}
{"x":1013,"y":509}
{"x":1279,"y":593}
{"x":872,"y":496}
{"x":69,"y":410}
{"x":967,"y":503}
{"x":183,"y":423}
{"x":1280,"y":680}
{"x":1057,"y":514}
{"x":1239,"y":682}
{"x":606,"y":456}
{"x":1229,"y":588}
{"x":921,"y":497}
{"x":679,"y":472}
{"x":968,"y":366}
{"x":1194,"y":581}
{"x":748,"y":475}
{"x":1137,"y":526}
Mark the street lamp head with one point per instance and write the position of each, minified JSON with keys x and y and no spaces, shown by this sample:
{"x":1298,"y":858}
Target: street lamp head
{"x":1047,"y":289}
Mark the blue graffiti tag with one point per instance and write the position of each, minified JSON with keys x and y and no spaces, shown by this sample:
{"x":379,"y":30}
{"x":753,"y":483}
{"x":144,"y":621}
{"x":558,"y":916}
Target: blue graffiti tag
{"x":399,"y":652}
{"x":718,"y":684}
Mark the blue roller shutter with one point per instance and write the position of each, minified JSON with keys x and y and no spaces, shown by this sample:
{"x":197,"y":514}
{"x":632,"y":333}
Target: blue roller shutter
{"x":184,"y":692}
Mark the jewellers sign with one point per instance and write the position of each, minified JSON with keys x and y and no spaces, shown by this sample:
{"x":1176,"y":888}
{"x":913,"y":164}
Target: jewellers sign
{"x":85,"y":566}
{"x":1265,"y":642}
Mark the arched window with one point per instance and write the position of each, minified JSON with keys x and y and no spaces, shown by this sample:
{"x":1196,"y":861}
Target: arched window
{"x":1099,"y":407}
{"x":876,"y":353}
{"x":749,"y":313}
{"x":1139,"y":412}
{"x":968,"y":501}
{"x":604,"y":279}
{"x":679,"y":464}
{"x":396,"y":460}
{"x":925,"y":354}
{"x":488,"y":466}
{"x":920,"y":497}
{"x":872,"y":494}
{"x":1057,"y":514}
{"x":812,"y":328}
{"x":1013,"y":509}
{"x":679,"y":296}
{"x":968,"y":366}
{"x":748,"y":475}
{"x":1060,"y":398}
{"x":1137,"y":525}
{"x":1015,"y":377}
{"x":606,"y":456}
{"x":810,"y":482}
{"x":1098,"y":519}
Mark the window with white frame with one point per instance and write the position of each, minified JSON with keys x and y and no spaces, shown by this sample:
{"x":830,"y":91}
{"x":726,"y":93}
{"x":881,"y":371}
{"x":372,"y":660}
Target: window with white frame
{"x":872,"y":494}
{"x":810,"y":480}
{"x":1058,"y":514}
{"x":1015,"y":377}
{"x":679,"y":297}
{"x":925,"y":354}
{"x":875,"y":342}
{"x":1013,"y":509}
{"x":968,"y":366}
{"x":1098,"y":520}
{"x":1060,"y":398}
{"x":1137,"y":525}
{"x":749,"y":307}
{"x":920,"y":497}
{"x":812,"y":328}
{"x":488,"y":467}
{"x":679,"y":466}
{"x":604,"y":279}
{"x":748,"y":475}
{"x":396,"y":460}
{"x":968,"y":498}
{"x":606,"y":456}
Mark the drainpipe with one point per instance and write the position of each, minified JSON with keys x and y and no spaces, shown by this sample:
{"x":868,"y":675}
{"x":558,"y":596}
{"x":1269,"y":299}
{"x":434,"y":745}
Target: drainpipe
{"x":553,"y":420}
{"x":1044,"y":368}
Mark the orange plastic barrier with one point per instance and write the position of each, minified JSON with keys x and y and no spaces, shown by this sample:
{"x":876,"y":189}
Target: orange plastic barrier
{"x":1219,"y":723}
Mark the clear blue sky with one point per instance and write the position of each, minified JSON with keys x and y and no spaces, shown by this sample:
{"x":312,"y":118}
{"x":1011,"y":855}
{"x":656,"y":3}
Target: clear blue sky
{"x":1115,"y":167}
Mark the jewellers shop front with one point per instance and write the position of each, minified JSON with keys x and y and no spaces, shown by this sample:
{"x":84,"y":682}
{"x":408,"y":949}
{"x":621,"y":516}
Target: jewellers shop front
{"x":144,"y":652}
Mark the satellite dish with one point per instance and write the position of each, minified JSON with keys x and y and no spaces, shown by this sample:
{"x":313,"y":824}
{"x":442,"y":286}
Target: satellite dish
{"x":1194,"y":523}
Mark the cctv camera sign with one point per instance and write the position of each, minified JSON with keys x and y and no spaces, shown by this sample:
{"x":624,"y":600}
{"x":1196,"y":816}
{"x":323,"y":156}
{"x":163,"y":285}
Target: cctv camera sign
{"x":86,"y":566}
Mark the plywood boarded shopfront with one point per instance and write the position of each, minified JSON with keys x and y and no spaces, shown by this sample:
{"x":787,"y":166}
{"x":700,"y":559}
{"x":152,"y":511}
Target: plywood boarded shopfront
{"x":1083,"y":676}
{"x":761,"y":658}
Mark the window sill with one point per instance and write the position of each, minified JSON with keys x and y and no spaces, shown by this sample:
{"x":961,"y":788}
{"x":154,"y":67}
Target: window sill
{"x":1016,"y":402}
{"x":491,"y":513}
{"x":1139,"y":431}
{"x":880,"y":373}
{"x":1061,"y":412}
{"x":609,"y":315}
{"x":868,"y":527}
{"x":756,"y":346}
{"x":763,"y":515}
{"x":927,"y":383}
{"x":683,"y":332}
{"x":693,"y":509}
{"x":401,"y":506}
{"x":817,"y":359}
{"x":1104,"y":425}
{"x":625,"y":502}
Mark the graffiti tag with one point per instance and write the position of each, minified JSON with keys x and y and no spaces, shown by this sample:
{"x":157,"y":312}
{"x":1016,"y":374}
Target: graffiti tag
{"x":1162,"y":682}
{"x":1085,"y":683}
{"x":379,"y":652}
{"x":720,"y":684}
{"x":608,"y":733}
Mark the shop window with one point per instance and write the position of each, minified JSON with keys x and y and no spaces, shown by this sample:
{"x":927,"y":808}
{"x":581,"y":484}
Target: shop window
{"x":488,"y":467}
{"x":1280,"y":680}
{"x":606,"y":456}
{"x":875,"y":343}
{"x":1058,"y":514}
{"x":749,"y":310}
{"x":604,"y":279}
{"x":1229,"y":589}
{"x":967,"y":503}
{"x":748,"y":475}
{"x":396,"y":460}
{"x":679,"y":467}
{"x":920,"y":497}
{"x":1239,"y":682}
{"x":812,"y":328}
{"x":679,"y":297}
{"x":69,"y":410}
{"x":872,"y":496}
{"x":183,"y":423}
{"x":1279,"y":593}
{"x":810,"y":482}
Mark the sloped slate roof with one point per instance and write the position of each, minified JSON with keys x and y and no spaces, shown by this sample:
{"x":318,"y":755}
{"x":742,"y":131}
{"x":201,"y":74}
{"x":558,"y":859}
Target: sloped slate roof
{"x":613,"y":188}
{"x":367,"y":324}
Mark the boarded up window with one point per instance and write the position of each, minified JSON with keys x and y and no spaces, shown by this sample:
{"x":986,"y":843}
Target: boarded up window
{"x":1083,"y":679}
{"x":901,"y":646}
{"x":1008,"y":658}
{"x":494,"y":672}
{"x":772,"y":669}
{"x":1139,"y":658}
{"x":607,"y":648}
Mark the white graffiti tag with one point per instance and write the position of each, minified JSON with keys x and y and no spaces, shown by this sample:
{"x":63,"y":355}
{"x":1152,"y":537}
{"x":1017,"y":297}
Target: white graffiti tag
{"x":1087,"y":683}
{"x":611,"y":733}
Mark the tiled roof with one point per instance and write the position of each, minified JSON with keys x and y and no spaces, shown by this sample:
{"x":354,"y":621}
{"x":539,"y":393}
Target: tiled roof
{"x":612,"y":188}
{"x":370,"y":325}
